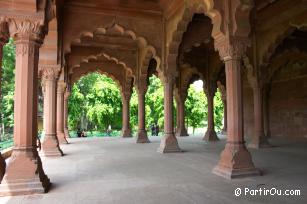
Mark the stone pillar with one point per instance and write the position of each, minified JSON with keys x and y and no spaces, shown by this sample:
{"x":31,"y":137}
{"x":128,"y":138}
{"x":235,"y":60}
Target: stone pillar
{"x":126,"y":130}
{"x":181,"y":129}
{"x":168,"y":141}
{"x":210,"y":89}
{"x":66,"y":97}
{"x":24,"y":172}
{"x":235,"y":160}
{"x":266,"y":110}
{"x":224,"y":130}
{"x":3,"y":40}
{"x":50,"y":144}
{"x":60,"y":113}
{"x":142,"y":133}
{"x":259,"y":139}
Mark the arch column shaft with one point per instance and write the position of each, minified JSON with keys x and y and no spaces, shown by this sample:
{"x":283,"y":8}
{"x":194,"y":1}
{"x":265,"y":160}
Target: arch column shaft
{"x":181,"y":130}
{"x":50,"y":144}
{"x":24,"y":173}
{"x":126,"y":130}
{"x":2,"y":160}
{"x":66,"y":97}
{"x":224,"y":130}
{"x":266,"y":112}
{"x":169,"y":142}
{"x":259,"y":139}
{"x":210,"y":134}
{"x":235,"y":160}
{"x":142,"y":133}
{"x":60,"y":113}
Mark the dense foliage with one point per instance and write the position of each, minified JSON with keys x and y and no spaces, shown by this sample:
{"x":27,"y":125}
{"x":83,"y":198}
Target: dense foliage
{"x":95,"y":104}
{"x":7,"y":89}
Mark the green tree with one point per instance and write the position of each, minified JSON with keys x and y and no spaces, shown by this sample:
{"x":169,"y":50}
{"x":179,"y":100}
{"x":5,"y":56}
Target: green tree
{"x":196,"y":108}
{"x":218,"y":111}
{"x":95,"y":103}
{"x":7,"y":88}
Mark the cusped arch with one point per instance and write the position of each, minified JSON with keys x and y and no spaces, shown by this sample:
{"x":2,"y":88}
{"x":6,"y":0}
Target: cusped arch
{"x":206,"y":7}
{"x":94,"y":58}
{"x":288,"y":56}
{"x":83,"y":72}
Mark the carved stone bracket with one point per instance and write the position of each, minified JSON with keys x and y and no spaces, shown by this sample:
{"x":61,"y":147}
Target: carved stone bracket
{"x":231,"y":47}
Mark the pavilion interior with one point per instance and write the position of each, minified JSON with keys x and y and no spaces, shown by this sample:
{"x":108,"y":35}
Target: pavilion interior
{"x":253,"y":52}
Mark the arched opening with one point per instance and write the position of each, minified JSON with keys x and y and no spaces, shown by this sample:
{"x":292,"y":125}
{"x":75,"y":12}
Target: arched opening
{"x":196,"y":106}
{"x":95,"y":106}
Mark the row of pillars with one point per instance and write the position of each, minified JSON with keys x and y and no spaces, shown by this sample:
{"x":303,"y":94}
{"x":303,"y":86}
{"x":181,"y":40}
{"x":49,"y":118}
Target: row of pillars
{"x":24,"y":173}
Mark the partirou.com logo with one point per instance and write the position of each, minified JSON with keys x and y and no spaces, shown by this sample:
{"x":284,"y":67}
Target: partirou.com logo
{"x":262,"y":191}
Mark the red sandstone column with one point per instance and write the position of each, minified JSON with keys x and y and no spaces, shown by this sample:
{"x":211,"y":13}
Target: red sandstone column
{"x":66,"y":97}
{"x":142,"y":133}
{"x":181,"y":129}
{"x":210,"y":92}
{"x":24,"y":173}
{"x":168,"y":141}
{"x":60,"y":113}
{"x":224,"y":130}
{"x":3,"y":40}
{"x":235,"y":160}
{"x":50,"y":144}
{"x":266,"y":111}
{"x":259,"y":139}
{"x":126,"y":130}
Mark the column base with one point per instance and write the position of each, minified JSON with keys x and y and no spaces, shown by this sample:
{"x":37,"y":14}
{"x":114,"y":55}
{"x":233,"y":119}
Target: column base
{"x":2,"y":167}
{"x":263,"y":143}
{"x":126,"y":133}
{"x":169,"y":144}
{"x":235,"y":162}
{"x":211,"y":136}
{"x":61,"y":138}
{"x":142,"y":137}
{"x":24,"y":174}
{"x":66,"y":133}
{"x":182,"y":133}
{"x":50,"y":146}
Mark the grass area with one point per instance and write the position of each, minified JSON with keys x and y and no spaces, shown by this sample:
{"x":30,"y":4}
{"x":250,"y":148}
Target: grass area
{"x":114,"y":133}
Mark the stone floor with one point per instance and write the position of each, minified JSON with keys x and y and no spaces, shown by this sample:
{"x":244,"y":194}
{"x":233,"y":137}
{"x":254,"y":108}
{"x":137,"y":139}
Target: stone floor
{"x":116,"y":170}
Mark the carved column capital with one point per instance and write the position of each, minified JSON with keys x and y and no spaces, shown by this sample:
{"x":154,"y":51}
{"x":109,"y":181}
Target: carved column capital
{"x":49,"y":72}
{"x":231,"y":48}
{"x":141,"y":85}
{"x":26,"y":29}
{"x":126,"y":95}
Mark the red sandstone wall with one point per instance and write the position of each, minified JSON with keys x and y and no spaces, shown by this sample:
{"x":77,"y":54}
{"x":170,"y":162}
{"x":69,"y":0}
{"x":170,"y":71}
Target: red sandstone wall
{"x":288,"y":104}
{"x":288,"y":108}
